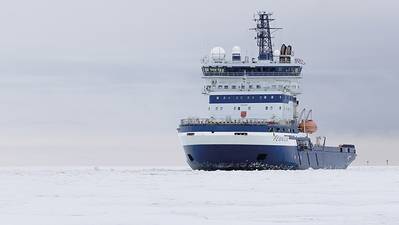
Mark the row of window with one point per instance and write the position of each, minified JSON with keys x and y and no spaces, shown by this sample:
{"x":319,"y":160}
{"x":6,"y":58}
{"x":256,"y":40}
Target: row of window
{"x":287,"y":69}
{"x":249,"y":86}
{"x":249,"y":108}
{"x":249,"y":97}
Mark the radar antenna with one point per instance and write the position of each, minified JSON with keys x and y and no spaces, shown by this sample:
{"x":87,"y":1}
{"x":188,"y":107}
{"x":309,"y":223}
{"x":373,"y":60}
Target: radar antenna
{"x":263,"y":35}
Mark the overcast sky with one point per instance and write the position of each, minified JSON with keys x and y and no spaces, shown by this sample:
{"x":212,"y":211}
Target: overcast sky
{"x":105,"y":82}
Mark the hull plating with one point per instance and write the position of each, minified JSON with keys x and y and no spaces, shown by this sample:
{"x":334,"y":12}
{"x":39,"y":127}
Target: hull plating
{"x":252,"y":157}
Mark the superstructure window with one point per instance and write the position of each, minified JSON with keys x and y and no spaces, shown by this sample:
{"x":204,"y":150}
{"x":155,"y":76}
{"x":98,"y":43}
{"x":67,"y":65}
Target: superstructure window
{"x":220,"y":86}
{"x":226,"y":87}
{"x":267,"y":108}
{"x":238,"y":108}
{"x":249,"y":107}
{"x":233,"y":87}
{"x":258,"y":86}
{"x":250,"y":87}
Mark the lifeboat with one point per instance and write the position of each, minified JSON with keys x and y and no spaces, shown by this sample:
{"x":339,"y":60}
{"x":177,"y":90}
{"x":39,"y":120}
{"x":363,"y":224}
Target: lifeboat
{"x":307,"y":126}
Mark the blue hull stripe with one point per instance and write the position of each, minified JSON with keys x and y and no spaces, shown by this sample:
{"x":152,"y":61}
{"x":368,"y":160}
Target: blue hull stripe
{"x":250,"y":99}
{"x":212,"y":157}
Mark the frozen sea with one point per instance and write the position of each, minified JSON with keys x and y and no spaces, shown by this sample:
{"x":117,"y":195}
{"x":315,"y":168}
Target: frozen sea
{"x":129,"y":196}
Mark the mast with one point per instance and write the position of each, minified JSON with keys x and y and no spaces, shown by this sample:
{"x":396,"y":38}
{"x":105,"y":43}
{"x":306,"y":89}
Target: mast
{"x":263,"y":35}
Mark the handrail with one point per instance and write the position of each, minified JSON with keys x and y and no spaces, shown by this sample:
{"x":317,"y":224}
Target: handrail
{"x":195,"y":121}
{"x":251,"y":73}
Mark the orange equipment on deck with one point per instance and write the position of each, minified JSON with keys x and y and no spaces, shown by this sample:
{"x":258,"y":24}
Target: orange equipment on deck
{"x":307,"y":126}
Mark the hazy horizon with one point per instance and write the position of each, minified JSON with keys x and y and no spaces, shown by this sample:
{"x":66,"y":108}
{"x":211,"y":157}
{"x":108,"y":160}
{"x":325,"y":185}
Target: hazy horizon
{"x":105,"y":83}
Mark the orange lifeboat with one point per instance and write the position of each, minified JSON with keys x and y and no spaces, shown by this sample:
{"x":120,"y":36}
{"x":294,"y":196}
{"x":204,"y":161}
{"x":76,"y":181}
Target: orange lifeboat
{"x":307,"y":126}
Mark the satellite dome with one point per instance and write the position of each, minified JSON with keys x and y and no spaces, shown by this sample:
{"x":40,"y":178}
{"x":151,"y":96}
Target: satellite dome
{"x":218,"y":54}
{"x":276,"y":53}
{"x":236,"y":50}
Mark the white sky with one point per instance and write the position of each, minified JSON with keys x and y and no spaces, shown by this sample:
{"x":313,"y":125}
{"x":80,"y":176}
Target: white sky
{"x":105,"y":82}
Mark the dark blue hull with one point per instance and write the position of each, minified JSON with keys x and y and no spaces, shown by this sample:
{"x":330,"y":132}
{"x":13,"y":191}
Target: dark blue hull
{"x":259,"y":157}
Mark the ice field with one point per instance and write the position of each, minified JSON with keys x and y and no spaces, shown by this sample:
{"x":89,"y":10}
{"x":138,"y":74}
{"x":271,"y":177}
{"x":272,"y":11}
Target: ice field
{"x":128,"y":196}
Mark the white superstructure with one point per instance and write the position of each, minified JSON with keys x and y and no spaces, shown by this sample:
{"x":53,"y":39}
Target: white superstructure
{"x":243,"y":88}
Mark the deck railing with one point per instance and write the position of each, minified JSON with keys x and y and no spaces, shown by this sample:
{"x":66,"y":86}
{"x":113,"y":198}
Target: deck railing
{"x":205,"y":121}
{"x":251,"y":73}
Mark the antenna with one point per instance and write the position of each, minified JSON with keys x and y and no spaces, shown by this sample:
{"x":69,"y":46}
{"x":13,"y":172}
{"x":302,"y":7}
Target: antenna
{"x":263,"y":35}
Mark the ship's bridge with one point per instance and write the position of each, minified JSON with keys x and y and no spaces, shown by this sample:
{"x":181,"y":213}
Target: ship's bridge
{"x":251,"y":69}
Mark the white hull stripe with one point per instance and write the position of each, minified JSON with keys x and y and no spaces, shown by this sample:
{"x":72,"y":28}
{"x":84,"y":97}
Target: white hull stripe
{"x":229,"y":138}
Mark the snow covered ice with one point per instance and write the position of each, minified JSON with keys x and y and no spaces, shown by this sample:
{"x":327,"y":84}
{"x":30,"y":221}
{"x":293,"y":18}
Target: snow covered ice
{"x":127,"y":196}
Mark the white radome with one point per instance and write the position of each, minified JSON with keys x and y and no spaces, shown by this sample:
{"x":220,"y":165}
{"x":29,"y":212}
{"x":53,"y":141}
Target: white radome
{"x":236,"y":50}
{"x":218,"y":54}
